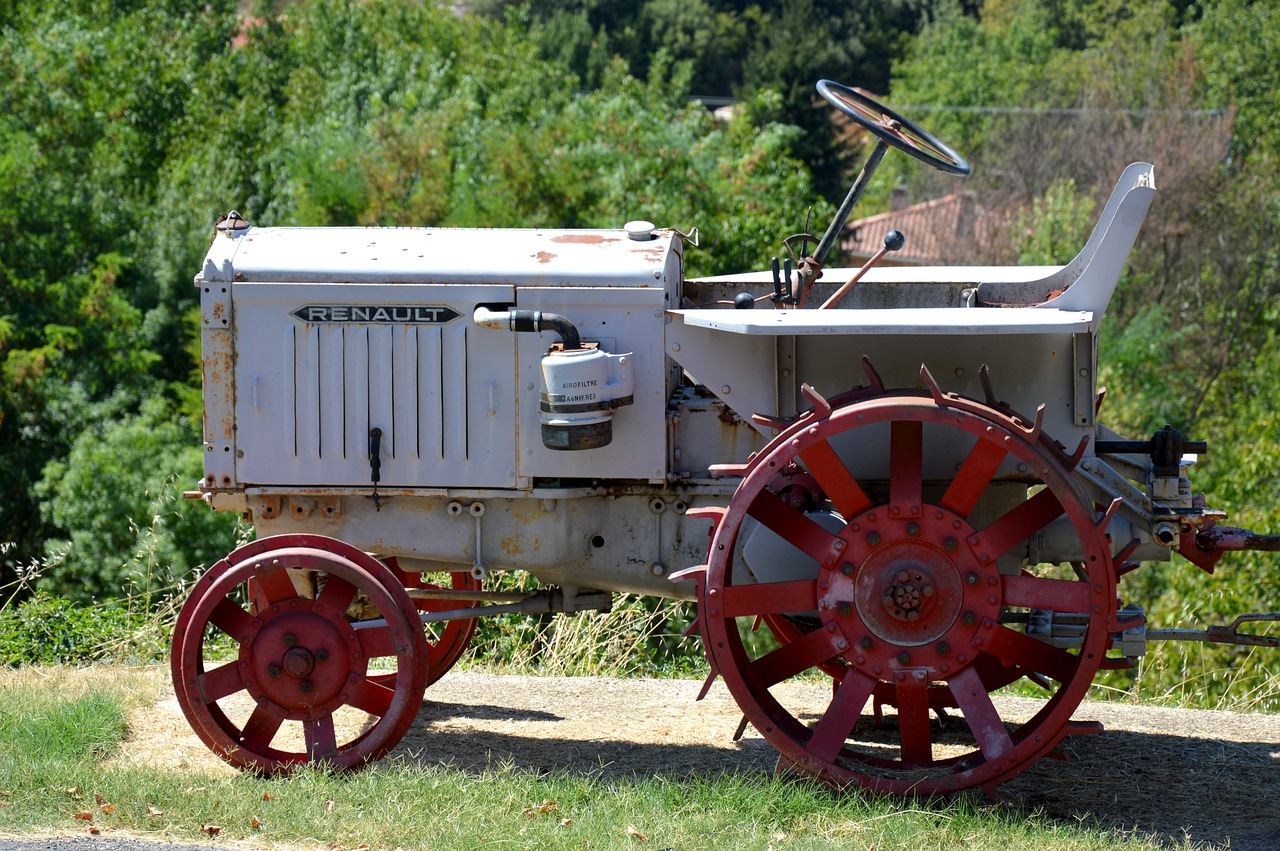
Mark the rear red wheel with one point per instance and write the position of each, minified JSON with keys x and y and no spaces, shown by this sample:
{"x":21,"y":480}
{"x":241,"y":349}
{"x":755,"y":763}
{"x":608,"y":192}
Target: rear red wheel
{"x":288,"y":681}
{"x":905,"y":604}
{"x":446,"y":640}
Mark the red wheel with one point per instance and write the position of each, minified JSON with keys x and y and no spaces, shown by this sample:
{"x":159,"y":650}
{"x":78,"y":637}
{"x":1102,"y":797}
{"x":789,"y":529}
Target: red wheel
{"x":903,"y":603}
{"x":297,"y":659}
{"x":446,"y":640}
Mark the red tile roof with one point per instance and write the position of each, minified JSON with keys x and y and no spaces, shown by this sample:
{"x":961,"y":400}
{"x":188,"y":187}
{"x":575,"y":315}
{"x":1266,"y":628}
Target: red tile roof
{"x":935,"y":231}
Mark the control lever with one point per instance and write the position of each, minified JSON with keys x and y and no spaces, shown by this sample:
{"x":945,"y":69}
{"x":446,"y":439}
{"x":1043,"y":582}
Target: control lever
{"x":784,"y":294}
{"x":893,"y":241}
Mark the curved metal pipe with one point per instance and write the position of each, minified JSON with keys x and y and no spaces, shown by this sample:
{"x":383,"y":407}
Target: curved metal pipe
{"x":529,"y":320}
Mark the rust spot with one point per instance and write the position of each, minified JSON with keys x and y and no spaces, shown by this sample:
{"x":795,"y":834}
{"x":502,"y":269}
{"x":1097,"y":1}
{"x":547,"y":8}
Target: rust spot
{"x":654,"y":254}
{"x":584,"y":239}
{"x":544,"y":256}
{"x":726,"y":415}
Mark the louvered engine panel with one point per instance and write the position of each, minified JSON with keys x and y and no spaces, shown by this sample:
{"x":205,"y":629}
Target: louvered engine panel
{"x":318,"y":367}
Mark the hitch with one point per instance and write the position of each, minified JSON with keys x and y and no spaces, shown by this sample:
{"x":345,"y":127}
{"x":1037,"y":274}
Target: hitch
{"x":1229,"y":634}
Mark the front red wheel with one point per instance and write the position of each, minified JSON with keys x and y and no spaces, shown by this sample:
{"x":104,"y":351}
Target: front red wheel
{"x":290,"y":680}
{"x":915,"y":600}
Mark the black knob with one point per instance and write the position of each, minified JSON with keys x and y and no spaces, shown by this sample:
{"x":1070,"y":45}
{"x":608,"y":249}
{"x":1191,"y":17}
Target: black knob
{"x":894,"y":240}
{"x":744,"y":301}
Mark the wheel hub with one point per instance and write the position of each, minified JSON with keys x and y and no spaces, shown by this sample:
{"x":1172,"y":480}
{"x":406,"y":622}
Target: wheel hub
{"x":908,"y":592}
{"x":301,"y":660}
{"x":909,"y":595}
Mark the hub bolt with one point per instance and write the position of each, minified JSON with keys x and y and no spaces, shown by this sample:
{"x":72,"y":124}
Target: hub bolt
{"x":846,"y":569}
{"x":970,"y":618}
{"x":306,"y":686}
{"x":972,"y":579}
{"x":873,"y":538}
{"x":322,"y":654}
{"x":950,"y":545}
{"x":865,"y":642}
{"x":273,"y":669}
{"x":913,"y":529}
{"x":904,"y":657}
{"x":290,"y":639}
{"x":943,"y":648}
{"x":844,"y":608}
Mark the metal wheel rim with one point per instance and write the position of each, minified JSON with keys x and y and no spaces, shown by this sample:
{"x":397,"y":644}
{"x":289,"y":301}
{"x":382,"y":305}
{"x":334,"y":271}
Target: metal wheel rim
{"x":793,"y":739}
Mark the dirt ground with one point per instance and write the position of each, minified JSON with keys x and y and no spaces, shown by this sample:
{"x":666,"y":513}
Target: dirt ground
{"x":1212,"y":777}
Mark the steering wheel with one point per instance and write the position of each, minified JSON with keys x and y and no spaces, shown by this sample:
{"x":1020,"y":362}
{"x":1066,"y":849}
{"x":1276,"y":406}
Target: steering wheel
{"x":892,"y":129}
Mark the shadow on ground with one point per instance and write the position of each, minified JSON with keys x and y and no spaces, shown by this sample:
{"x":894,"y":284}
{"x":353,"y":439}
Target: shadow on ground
{"x":1152,"y":772}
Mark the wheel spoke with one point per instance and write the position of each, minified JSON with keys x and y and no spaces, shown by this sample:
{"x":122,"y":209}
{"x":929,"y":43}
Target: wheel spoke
{"x":1030,"y":654}
{"x":980,"y":713}
{"x":905,"y":446}
{"x":785,"y":521}
{"x":973,"y":477}
{"x":376,"y":640}
{"x":770,"y":598}
{"x":321,"y":739}
{"x":837,"y":722}
{"x":221,"y":682}
{"x":231,"y":619}
{"x":337,"y":595}
{"x":836,"y":480}
{"x":1020,"y":523}
{"x":1033,"y":592}
{"x":260,"y":729}
{"x":371,"y":697}
{"x":913,"y":722}
{"x":790,"y":659}
{"x":273,"y":586}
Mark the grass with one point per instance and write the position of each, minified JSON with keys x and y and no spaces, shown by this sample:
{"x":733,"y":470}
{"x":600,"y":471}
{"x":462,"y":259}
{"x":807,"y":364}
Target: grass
{"x":59,"y":728}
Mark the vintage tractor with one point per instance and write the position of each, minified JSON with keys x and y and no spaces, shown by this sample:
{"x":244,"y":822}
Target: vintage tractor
{"x":901,"y":471}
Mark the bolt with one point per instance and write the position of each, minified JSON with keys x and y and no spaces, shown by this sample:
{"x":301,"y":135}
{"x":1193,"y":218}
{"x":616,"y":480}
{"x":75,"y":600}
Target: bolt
{"x":290,"y":639}
{"x":970,"y":618}
{"x":949,"y":545}
{"x":943,"y":648}
{"x":306,"y":686}
{"x":844,"y":608}
{"x":322,"y":654}
{"x":873,"y":538}
{"x":846,"y":569}
{"x":972,"y":579}
{"x":273,"y":669}
{"x":913,"y":529}
{"x":904,"y":657}
{"x":926,"y":590}
{"x":865,"y":642}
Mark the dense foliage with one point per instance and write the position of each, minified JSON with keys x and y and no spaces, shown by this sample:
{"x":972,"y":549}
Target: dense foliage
{"x":128,"y":126}
{"x":132,"y":124}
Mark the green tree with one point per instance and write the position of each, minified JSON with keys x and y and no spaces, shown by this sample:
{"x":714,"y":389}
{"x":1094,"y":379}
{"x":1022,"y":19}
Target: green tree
{"x":117,"y":497}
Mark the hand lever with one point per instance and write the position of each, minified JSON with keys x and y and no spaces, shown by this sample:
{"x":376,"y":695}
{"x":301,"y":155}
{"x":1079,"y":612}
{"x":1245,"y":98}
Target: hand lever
{"x":893,"y":241}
